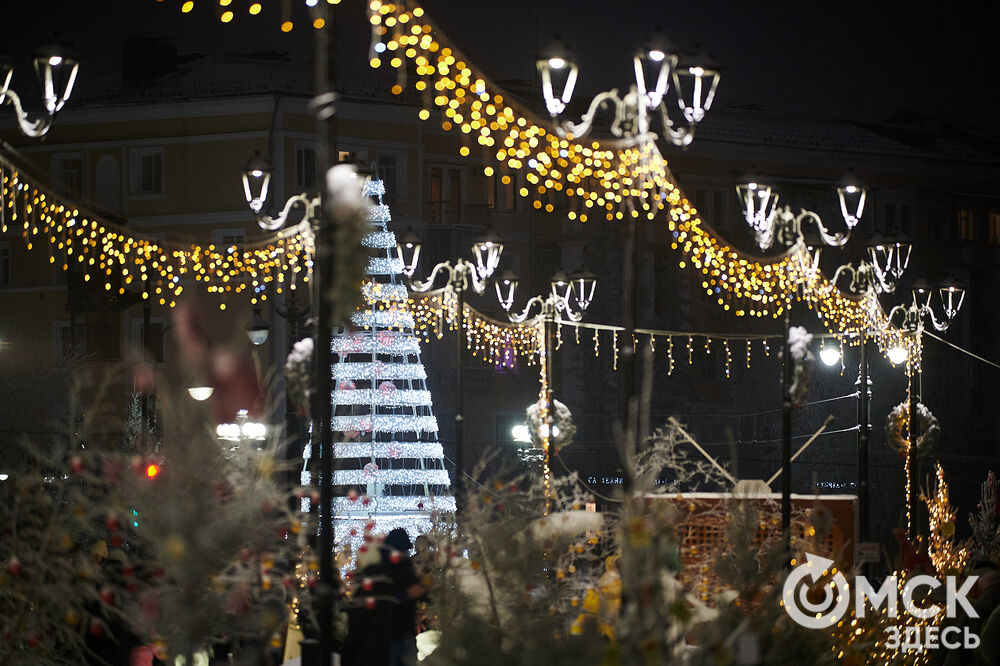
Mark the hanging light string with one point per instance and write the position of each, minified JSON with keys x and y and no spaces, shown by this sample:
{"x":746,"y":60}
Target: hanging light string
{"x":115,"y":257}
{"x":500,"y":342}
{"x":591,"y":180}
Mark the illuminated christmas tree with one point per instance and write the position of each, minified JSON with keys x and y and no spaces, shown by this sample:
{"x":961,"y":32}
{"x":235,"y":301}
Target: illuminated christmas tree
{"x":389,"y":464}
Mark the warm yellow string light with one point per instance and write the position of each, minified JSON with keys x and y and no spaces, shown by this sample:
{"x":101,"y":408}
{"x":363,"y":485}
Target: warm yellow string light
{"x":947,"y":557}
{"x":115,"y":257}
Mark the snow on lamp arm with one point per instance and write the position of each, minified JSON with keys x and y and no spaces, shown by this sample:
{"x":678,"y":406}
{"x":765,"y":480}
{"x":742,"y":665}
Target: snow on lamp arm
{"x":655,"y":66}
{"x":56,"y":71}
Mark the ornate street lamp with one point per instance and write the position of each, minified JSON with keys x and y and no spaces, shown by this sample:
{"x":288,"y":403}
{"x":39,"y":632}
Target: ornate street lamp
{"x":569,"y":296}
{"x":772,"y":225}
{"x":461,"y":275}
{"x":258,"y":328}
{"x":256,"y":184}
{"x":694,"y":83}
{"x":921,"y":308}
{"x":56,"y":70}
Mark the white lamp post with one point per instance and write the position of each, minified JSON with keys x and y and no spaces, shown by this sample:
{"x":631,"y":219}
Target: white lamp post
{"x":461,"y":275}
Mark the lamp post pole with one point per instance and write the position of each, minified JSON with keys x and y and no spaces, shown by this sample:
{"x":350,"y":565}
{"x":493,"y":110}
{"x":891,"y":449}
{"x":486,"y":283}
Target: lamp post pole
{"x":460,"y":387}
{"x":628,"y":354}
{"x":787,"y":365}
{"x":864,"y":395}
{"x":322,"y":407}
{"x":570,"y":295}
{"x":911,"y":451}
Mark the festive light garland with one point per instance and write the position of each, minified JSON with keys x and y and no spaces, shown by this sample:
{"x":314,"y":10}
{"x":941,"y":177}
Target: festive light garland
{"x":394,"y":398}
{"x":388,"y":449}
{"x":226,"y":12}
{"x":385,"y":343}
{"x":115,"y":257}
{"x":384,"y":423}
{"x":499,"y":343}
{"x":613,"y":181}
{"x":378,"y":370}
{"x":399,"y":477}
{"x":394,"y":504}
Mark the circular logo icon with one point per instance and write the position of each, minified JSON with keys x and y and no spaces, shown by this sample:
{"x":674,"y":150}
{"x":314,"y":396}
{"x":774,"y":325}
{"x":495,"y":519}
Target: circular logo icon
{"x":811,"y":615}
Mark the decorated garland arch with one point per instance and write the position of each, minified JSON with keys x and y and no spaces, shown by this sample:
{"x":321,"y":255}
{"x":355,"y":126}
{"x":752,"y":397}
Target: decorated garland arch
{"x":613,"y":180}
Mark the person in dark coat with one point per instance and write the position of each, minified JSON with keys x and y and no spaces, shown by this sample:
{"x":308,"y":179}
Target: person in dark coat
{"x":381,"y":629}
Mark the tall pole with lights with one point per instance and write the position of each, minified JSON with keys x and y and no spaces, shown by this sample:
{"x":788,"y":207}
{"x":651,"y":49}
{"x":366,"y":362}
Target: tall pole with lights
{"x":951,"y":296}
{"x":779,"y":226}
{"x":656,"y":67}
{"x":461,"y":275}
{"x":567,"y":295}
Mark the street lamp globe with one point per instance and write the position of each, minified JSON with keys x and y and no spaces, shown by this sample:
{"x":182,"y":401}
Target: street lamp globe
{"x":952,"y":297}
{"x":695,"y":79}
{"x":830,"y":356}
{"x":258,"y":328}
{"x":256,"y":179}
{"x":555,"y":65}
{"x":408,"y":251}
{"x":200,"y":393}
{"x":56,"y":70}
{"x":487,"y":250}
{"x":584,"y":284}
{"x":852,"y":193}
{"x":561,"y":287}
{"x":759,"y":202}
{"x":656,"y":60}
{"x":506,"y":287}
{"x":897,"y":354}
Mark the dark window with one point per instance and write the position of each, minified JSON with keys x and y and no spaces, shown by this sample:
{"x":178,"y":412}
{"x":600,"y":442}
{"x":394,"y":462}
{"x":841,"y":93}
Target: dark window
{"x":153,"y":342}
{"x":94,"y":335}
{"x":435,"y":202}
{"x":4,"y":265}
{"x":445,"y":196}
{"x":994,"y":228}
{"x":305,"y":168}
{"x":146,"y":171}
{"x":69,"y":174}
{"x":966,"y":225}
{"x":388,"y":174}
{"x":456,"y":196}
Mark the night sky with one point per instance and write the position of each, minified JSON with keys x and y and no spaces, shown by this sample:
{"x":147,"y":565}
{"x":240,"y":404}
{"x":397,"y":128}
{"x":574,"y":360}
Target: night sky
{"x":857,"y":60}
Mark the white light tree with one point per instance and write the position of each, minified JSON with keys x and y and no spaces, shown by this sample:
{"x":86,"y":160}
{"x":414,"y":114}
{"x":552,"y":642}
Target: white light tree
{"x":389,"y":464}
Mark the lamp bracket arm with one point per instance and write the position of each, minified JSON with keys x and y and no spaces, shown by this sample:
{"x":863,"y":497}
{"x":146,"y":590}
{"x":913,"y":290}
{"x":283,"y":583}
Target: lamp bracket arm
{"x":309,"y":205}
{"x":586,"y":121}
{"x":425,"y":285}
{"x":526,"y":312}
{"x":32,"y":128}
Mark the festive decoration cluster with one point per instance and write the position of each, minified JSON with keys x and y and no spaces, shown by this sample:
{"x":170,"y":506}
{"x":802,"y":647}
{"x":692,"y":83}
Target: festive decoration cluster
{"x":613,"y":182}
